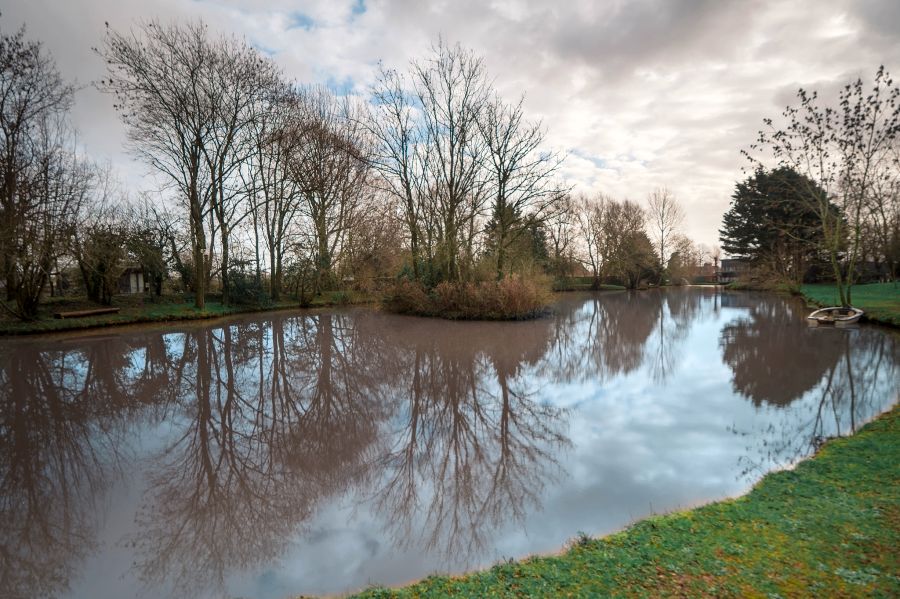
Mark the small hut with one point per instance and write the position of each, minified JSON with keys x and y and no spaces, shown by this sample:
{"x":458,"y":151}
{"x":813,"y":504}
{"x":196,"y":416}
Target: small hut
{"x":132,"y":280}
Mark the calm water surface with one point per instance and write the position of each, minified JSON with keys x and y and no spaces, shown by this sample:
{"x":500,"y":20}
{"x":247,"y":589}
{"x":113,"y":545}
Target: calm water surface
{"x":274,"y":455}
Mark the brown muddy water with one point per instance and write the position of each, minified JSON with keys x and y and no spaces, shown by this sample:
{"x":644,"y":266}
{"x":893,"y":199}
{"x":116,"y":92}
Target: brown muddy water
{"x":272,"y":455}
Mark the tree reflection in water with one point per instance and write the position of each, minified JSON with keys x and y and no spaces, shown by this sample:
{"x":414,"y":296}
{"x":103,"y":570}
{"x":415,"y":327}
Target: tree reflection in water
{"x":599,"y":336}
{"x":62,"y":423}
{"x":774,"y":355}
{"x":273,"y":420}
{"x":678,"y":310}
{"x":837,"y":377}
{"x":608,"y":335}
{"x":448,"y":432}
{"x":472,"y":448}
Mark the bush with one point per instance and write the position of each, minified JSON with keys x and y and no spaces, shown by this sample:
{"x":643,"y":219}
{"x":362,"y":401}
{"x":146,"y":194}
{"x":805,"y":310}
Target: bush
{"x":408,"y":297}
{"x":511,"y":298}
{"x":338,"y":298}
{"x":247,"y":290}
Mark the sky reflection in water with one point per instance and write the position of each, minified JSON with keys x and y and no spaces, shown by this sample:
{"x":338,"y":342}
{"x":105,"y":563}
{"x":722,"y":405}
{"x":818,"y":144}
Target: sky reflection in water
{"x":319,"y":453}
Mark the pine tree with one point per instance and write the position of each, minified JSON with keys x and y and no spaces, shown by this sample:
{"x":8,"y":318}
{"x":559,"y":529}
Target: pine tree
{"x":771,"y":224}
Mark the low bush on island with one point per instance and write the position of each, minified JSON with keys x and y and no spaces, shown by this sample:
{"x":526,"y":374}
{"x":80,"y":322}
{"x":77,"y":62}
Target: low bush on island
{"x":511,"y":298}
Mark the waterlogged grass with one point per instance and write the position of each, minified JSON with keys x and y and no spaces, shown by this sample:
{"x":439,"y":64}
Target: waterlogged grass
{"x":830,"y":527}
{"x":582,"y":284}
{"x":134,"y":310}
{"x":880,"y":301}
{"x":128,"y":314}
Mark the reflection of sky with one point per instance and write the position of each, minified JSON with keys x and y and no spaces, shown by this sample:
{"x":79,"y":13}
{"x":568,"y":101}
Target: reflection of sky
{"x":640,"y":444}
{"x":639,"y":448}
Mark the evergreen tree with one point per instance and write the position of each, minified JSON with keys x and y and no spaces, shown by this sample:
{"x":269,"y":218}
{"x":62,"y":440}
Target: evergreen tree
{"x":772,"y":224}
{"x":524,"y":240}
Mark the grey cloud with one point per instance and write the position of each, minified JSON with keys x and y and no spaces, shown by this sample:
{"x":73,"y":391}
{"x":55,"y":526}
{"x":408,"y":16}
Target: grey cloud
{"x":881,"y":17}
{"x":653,"y":34}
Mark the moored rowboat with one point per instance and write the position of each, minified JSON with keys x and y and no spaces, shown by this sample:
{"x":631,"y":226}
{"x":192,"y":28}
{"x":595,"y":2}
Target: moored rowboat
{"x":836,"y":316}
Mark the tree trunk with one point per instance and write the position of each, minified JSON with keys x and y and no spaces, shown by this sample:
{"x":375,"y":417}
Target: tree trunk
{"x":501,"y":247}
{"x":199,"y":243}
{"x":226,"y":286}
{"x":274,"y":283}
{"x":256,"y":241}
{"x":279,"y":276}
{"x":413,"y":232}
{"x":199,"y":277}
{"x":323,"y":255}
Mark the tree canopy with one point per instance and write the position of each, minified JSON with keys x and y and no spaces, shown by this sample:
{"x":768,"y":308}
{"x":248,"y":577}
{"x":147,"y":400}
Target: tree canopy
{"x":771,"y":222}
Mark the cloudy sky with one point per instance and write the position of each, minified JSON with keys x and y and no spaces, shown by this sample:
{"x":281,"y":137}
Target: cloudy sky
{"x":639,"y":94}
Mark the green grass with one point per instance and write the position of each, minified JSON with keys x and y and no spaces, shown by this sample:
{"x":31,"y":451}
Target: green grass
{"x":582,"y":284}
{"x":830,"y":527}
{"x":133,"y":310}
{"x":880,"y":301}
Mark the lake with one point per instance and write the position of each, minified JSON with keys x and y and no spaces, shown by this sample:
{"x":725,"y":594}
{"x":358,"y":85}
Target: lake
{"x":276,"y":454}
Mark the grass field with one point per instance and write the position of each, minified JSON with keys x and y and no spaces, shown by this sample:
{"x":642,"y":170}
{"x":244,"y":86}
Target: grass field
{"x":880,"y":301}
{"x":830,"y":527}
{"x":582,"y":284}
{"x":136,"y":309}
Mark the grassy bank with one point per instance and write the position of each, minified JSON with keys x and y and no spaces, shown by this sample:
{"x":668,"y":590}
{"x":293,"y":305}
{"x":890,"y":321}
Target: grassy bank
{"x":829,"y":527}
{"x":135,"y":310}
{"x":880,"y":301}
{"x":516,"y":300}
{"x":582,"y":284}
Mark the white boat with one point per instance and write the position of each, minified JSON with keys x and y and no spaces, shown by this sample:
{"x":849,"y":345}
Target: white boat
{"x":836,"y":316}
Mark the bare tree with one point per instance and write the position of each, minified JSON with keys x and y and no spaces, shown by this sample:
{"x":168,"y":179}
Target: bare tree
{"x":153,"y":242}
{"x":374,"y":243}
{"x":190,"y":102}
{"x":329,"y":161}
{"x":236,"y":88}
{"x":629,"y":249}
{"x":665,"y":218}
{"x":561,"y":227}
{"x":881,"y":219}
{"x":398,"y":154}
{"x":50,"y":199}
{"x":273,"y":194}
{"x":520,"y":174}
{"x":158,"y":75}
{"x":40,"y":174}
{"x":451,"y":90}
{"x":468,"y":170}
{"x":590,"y":219}
{"x":685,"y":259}
{"x":99,"y":239}
{"x":844,"y":151}
{"x":448,"y":92}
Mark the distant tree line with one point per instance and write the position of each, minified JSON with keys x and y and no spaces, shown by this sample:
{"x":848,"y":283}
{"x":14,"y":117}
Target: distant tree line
{"x":272,"y":188}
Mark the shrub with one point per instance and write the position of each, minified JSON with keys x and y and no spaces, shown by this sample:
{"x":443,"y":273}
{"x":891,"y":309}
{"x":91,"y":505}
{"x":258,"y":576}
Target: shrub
{"x":339,"y":297}
{"x":521,"y":298}
{"x":247,"y":290}
{"x":511,"y":298}
{"x":408,"y":297}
